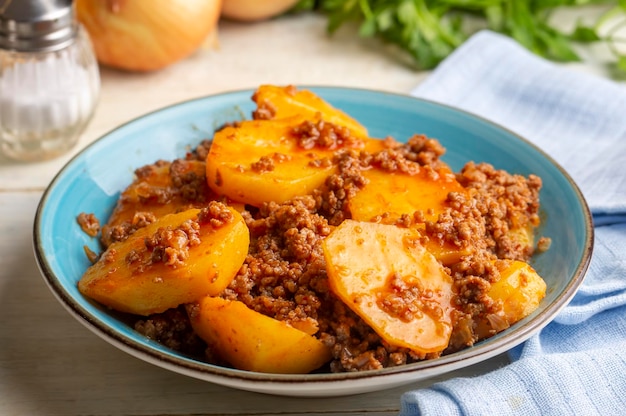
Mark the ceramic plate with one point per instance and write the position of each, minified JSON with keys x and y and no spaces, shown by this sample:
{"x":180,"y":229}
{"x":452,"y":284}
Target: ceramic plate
{"x":92,"y":181}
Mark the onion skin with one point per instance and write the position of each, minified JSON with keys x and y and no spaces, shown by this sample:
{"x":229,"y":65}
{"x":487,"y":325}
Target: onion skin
{"x":146,"y":35}
{"x":253,"y":10}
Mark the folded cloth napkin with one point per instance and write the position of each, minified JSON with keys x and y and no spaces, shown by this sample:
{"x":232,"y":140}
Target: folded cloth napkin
{"x":577,"y":364}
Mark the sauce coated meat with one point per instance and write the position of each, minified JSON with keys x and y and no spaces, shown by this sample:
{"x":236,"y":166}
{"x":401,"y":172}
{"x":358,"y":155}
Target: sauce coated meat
{"x":284,"y":274}
{"x":489,"y":219}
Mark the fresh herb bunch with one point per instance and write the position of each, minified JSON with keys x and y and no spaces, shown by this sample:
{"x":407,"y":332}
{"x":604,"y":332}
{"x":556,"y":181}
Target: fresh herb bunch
{"x":429,"y":30}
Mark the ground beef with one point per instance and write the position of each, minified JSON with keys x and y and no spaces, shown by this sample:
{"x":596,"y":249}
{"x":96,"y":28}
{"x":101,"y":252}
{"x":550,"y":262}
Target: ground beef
{"x":324,"y":135}
{"x":284,"y":273}
{"x":122,"y":231}
{"x":216,"y":213}
{"x":200,"y":152}
{"x":163,"y":187}
{"x":172,"y":328}
{"x":170,"y":246}
{"x":355,"y":346}
{"x":332,"y":199}
{"x":406,"y":301}
{"x":424,"y":150}
{"x":506,"y":201}
{"x":268,"y":163}
{"x":89,"y":224}
{"x":187,"y":185}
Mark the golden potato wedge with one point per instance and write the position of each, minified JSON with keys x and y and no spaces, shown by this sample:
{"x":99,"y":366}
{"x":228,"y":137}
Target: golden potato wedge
{"x":395,"y":193}
{"x":276,"y":102}
{"x":392,"y":282}
{"x":259,"y":161}
{"x":251,"y":341}
{"x":520,"y":289}
{"x":446,"y":253}
{"x":178,"y":259}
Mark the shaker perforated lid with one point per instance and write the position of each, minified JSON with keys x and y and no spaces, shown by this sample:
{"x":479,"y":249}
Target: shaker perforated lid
{"x":36,"y":25}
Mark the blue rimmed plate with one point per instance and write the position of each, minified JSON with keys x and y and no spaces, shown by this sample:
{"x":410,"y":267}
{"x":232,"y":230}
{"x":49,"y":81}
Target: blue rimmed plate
{"x":92,"y":181}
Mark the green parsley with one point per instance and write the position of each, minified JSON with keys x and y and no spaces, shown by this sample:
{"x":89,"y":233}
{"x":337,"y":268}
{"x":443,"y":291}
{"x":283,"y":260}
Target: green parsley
{"x":430,"y":30}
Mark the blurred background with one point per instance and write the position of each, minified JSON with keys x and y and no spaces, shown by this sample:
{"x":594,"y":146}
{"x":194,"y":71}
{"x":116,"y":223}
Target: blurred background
{"x":130,"y":36}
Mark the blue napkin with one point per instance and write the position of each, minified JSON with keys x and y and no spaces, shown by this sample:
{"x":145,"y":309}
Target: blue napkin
{"x":577,"y":364}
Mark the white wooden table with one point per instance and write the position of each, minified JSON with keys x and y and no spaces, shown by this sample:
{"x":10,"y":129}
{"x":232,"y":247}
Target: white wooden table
{"x":49,"y":363}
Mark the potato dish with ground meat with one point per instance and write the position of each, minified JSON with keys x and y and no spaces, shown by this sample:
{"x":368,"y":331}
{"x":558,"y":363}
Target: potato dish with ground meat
{"x":294,"y":242}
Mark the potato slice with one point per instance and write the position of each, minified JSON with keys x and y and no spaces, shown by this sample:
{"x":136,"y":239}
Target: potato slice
{"x":389,"y":195}
{"x":395,"y":193}
{"x":178,"y":259}
{"x":520,"y":289}
{"x":275,"y":102}
{"x":387,"y":277}
{"x":251,"y":341}
{"x":446,"y":253}
{"x":260,"y":161}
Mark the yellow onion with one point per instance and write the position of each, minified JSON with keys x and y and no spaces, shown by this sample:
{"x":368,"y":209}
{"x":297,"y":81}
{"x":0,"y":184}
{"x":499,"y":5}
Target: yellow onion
{"x":251,"y":10}
{"x":144,"y":35}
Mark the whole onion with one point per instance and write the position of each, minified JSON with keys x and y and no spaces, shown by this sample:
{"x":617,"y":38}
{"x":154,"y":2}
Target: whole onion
{"x":145,"y":35}
{"x":252,"y":10}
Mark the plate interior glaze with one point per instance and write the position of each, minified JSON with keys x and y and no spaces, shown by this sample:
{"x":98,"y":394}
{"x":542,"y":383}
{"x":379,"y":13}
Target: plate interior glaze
{"x":91,"y":183}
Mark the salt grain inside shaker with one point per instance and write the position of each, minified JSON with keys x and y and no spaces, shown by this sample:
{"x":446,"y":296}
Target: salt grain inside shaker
{"x":49,"y":80}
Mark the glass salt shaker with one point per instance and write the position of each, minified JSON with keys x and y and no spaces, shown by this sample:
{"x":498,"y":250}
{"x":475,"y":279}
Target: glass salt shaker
{"x":49,"y":79}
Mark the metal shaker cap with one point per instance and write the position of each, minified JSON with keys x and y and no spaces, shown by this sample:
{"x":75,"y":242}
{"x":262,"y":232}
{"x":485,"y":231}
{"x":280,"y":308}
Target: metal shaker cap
{"x":36,"y":25}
